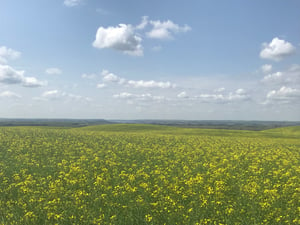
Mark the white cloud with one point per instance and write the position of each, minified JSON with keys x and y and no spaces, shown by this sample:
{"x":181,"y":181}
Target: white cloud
{"x":150,"y":84}
{"x":239,"y":95}
{"x":267,"y":68}
{"x":121,"y":38}
{"x":72,"y":3}
{"x":101,"y":85}
{"x":140,"y":97}
{"x":33,"y":82}
{"x":111,"y":77}
{"x":211,"y":97}
{"x":277,"y":49}
{"x":182,"y":95}
{"x":284,"y":95}
{"x":165,"y":29}
{"x":124,"y":95}
{"x":273,"y":77}
{"x":9,"y":94}
{"x":289,"y":77}
{"x":240,"y":91}
{"x":127,"y":39}
{"x":124,"y":38}
{"x":8,"y":75}
{"x":8,"y":54}
{"x":53,"y":71}
{"x":61,"y":95}
{"x":53,"y":94}
{"x":143,"y":24}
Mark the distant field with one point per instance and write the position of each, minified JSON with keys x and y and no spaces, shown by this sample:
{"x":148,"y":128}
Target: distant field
{"x":205,"y":124}
{"x":287,"y":132}
{"x":149,"y":174}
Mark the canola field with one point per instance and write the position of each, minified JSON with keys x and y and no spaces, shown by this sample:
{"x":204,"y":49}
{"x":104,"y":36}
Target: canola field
{"x":145,"y":174}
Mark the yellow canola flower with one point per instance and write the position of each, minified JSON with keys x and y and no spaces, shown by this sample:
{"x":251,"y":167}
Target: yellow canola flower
{"x":148,"y":218}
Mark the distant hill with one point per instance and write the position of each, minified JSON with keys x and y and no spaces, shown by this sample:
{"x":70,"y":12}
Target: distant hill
{"x":53,"y":122}
{"x":216,"y":124}
{"x":207,"y":124}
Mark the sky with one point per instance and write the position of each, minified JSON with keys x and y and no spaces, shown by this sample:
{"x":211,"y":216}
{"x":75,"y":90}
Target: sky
{"x":139,"y":59}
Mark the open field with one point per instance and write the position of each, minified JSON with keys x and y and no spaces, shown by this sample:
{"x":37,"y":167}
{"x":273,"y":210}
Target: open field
{"x":148,"y":174}
{"x":205,"y":124}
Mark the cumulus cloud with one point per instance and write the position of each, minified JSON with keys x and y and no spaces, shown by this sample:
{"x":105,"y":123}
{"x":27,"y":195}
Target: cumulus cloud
{"x":33,"y":82}
{"x":72,"y":3}
{"x":267,"y":68}
{"x":7,"y":54}
{"x":283,"y":95}
{"x":128,"y":39}
{"x":122,"y":38}
{"x":165,"y":29}
{"x":277,"y":49}
{"x":53,"y":71}
{"x":150,"y":84}
{"x":8,"y":75}
{"x":111,"y":77}
{"x":9,"y":94}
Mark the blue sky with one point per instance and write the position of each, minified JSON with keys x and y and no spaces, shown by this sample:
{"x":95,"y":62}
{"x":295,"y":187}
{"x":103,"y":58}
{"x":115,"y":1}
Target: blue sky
{"x":139,"y":59}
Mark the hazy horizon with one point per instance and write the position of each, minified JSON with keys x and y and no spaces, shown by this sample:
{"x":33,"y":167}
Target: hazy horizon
{"x":140,"y":60}
{"x":147,"y":120}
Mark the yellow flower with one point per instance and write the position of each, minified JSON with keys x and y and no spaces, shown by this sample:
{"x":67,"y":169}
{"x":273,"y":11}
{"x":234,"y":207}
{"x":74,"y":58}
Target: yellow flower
{"x":148,"y":217}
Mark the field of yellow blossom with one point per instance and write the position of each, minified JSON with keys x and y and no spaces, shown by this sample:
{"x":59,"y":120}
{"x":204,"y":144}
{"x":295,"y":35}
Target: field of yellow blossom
{"x":146,"y":174}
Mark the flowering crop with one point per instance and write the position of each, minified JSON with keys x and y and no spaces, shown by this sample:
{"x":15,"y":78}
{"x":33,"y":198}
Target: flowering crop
{"x":81,"y":176}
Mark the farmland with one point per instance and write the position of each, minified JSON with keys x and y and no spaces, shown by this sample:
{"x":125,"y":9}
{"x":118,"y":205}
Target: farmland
{"x":149,"y":174}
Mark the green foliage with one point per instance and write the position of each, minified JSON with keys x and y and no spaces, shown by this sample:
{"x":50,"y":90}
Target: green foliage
{"x":146,"y":174}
